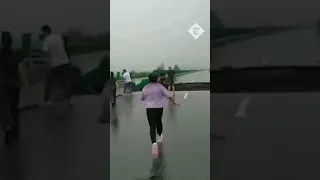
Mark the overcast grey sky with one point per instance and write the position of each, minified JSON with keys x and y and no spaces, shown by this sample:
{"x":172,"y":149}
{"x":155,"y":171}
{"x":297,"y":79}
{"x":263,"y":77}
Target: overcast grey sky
{"x":146,"y":33}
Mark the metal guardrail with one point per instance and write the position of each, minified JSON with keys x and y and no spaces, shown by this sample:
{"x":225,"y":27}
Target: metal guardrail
{"x":34,"y":70}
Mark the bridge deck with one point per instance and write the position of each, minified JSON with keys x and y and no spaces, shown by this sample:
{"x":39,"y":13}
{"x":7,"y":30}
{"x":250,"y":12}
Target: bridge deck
{"x":62,"y":143}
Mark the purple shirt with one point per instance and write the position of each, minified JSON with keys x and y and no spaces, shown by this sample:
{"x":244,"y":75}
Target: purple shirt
{"x":154,"y":95}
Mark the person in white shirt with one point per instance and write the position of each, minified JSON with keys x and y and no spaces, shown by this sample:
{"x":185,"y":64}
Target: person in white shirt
{"x":54,"y":46}
{"x":127,"y":82}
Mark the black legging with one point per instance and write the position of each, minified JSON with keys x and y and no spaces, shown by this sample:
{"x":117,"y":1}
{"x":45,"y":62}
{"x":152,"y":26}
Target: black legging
{"x":58,"y":74}
{"x":154,"y":116}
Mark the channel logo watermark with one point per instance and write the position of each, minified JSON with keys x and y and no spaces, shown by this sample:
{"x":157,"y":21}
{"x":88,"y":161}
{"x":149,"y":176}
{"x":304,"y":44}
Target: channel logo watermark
{"x":196,"y":31}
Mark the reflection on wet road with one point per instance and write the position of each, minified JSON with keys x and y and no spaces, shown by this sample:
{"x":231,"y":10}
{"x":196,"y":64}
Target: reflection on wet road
{"x":69,"y":143}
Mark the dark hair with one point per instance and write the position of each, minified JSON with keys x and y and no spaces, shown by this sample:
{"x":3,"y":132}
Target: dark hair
{"x":153,"y":77}
{"x":123,"y":70}
{"x":111,"y":74}
{"x":46,"y":28}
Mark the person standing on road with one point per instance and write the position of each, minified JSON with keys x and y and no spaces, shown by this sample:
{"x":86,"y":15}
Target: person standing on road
{"x":155,"y":98}
{"x":54,"y":46}
{"x":9,"y":89}
{"x":127,"y":82}
{"x":171,"y":78}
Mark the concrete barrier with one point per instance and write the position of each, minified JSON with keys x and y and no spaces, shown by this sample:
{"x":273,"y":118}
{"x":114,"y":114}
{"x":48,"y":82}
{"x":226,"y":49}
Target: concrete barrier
{"x":120,"y":84}
{"x":33,"y":71}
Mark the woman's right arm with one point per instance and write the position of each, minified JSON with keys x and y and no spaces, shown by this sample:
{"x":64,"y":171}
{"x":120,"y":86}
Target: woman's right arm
{"x":167,"y":95}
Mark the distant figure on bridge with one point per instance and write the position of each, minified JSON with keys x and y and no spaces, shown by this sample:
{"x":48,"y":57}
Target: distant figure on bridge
{"x":127,"y":82}
{"x":9,"y":89}
{"x":155,"y":98}
{"x":54,"y":46}
{"x":171,"y":78}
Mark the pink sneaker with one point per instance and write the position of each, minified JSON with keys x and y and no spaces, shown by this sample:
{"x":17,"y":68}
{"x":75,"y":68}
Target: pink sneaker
{"x":155,"y":151}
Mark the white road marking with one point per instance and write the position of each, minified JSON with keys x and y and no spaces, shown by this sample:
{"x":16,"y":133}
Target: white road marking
{"x":185,"y":95}
{"x":243,"y":107}
{"x":265,"y":61}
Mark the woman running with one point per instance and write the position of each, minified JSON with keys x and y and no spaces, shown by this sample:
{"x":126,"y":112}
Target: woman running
{"x":9,"y":89}
{"x":155,"y":97}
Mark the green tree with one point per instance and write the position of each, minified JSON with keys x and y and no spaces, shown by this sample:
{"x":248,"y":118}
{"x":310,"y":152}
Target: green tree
{"x":133,"y":72}
{"x":176,"y":67}
{"x":161,"y":67}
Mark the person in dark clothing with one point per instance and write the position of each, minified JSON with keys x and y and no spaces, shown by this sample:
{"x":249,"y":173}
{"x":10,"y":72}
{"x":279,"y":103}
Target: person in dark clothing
{"x":171,"y":78}
{"x":162,"y":79}
{"x":10,"y":89}
{"x":113,"y":86}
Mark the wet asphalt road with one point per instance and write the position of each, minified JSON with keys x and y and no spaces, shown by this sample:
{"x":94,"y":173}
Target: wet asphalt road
{"x":268,"y":135}
{"x":69,"y":143}
{"x":59,"y":143}
{"x":186,"y":140}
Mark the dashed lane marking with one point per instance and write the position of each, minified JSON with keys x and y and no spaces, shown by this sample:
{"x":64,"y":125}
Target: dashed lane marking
{"x":241,"y":112}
